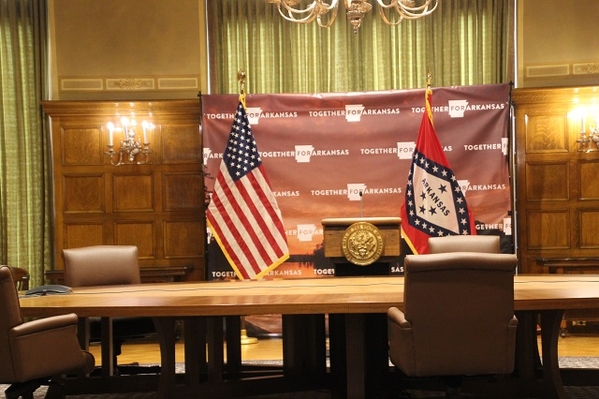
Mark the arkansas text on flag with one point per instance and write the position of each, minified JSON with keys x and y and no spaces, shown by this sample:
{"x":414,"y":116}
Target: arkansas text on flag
{"x":434,"y":204}
{"x":243,"y":214}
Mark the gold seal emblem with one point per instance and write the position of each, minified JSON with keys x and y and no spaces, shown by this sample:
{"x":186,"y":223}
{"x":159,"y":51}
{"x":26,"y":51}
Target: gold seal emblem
{"x":362,"y":243}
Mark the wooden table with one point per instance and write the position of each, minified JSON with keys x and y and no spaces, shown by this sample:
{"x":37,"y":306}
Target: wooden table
{"x":544,"y":296}
{"x":573,"y":265}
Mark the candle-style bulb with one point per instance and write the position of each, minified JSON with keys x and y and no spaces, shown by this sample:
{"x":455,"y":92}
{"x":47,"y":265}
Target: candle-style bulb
{"x":110,"y":127}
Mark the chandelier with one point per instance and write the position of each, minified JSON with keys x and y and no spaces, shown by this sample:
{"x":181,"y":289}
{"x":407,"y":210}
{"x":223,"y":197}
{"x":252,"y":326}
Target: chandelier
{"x":132,"y":150}
{"x":325,"y":13}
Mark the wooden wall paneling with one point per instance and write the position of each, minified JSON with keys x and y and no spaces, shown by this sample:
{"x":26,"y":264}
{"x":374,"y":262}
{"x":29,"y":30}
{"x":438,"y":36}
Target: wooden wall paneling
{"x":547,"y":181}
{"x":546,"y":133}
{"x":556,"y":201}
{"x":181,"y":143}
{"x":548,"y":229}
{"x":83,"y":234}
{"x":588,"y":182}
{"x":156,"y":206}
{"x":82,"y":145}
{"x":182,"y":191}
{"x":589,"y":234}
{"x":183,"y":238}
{"x":83,"y":193}
{"x":133,"y":192}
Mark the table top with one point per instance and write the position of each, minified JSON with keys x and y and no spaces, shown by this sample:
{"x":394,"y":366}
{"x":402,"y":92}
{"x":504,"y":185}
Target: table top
{"x":291,"y":296}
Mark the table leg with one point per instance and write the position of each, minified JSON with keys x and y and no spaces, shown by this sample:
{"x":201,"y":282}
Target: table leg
{"x":233,"y":342}
{"x":107,"y":347}
{"x":337,"y":355}
{"x":355,"y":353}
{"x":359,"y":356}
{"x":304,"y":346}
{"x":528,"y":361}
{"x":195,"y":349}
{"x":550,"y":333}
{"x":165,"y":327}
{"x":527,"y":351}
{"x":215,"y":341}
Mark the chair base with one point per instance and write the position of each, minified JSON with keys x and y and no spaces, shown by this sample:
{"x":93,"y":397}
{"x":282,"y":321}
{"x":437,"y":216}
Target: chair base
{"x":135,"y":368}
{"x":23,"y":390}
{"x":129,"y":369}
{"x":453,"y":386}
{"x":26,"y":389}
{"x":453,"y":392}
{"x":56,"y":391}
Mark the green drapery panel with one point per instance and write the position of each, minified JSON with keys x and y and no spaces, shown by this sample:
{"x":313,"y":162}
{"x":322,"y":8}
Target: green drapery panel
{"x":25,"y":208}
{"x":464,"y":42}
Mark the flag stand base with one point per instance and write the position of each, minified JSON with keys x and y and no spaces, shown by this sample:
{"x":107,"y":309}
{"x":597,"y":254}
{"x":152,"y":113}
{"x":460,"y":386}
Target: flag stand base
{"x":245,"y":340}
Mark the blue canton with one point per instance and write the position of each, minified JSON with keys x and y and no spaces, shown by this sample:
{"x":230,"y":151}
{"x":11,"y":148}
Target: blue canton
{"x":241,"y":155}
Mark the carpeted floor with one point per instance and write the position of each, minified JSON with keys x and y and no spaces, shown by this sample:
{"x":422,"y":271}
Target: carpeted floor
{"x":574,"y":392}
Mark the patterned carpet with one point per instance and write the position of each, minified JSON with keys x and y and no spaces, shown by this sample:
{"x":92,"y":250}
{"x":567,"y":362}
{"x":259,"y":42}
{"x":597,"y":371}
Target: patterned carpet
{"x":569,"y":362}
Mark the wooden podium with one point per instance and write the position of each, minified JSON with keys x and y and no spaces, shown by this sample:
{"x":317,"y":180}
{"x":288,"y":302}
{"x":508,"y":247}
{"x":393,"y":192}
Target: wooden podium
{"x":385,"y":230}
{"x":374,"y":248}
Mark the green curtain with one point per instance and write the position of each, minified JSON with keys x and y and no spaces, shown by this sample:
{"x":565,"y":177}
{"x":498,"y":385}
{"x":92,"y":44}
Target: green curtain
{"x":464,"y":42}
{"x":25,"y":208}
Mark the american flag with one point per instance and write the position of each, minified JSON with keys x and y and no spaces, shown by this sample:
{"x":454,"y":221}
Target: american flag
{"x":434,"y":203}
{"x":243,"y":214}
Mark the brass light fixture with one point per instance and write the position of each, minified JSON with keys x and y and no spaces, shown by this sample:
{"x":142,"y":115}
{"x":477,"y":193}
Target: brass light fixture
{"x":132,"y":150}
{"x":304,"y":12}
{"x":588,"y":116}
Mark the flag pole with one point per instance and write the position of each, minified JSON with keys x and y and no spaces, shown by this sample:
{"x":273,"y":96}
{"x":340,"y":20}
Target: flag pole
{"x":245,"y":340}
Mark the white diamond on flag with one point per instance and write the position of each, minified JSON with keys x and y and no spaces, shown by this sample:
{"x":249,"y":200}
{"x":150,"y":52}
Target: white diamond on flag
{"x":437,"y":205}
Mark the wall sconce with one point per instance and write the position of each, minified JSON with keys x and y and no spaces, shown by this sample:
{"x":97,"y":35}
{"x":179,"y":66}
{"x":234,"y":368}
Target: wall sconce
{"x":588,"y":115}
{"x":594,"y":137}
{"x":132,"y":150}
{"x":590,"y":142}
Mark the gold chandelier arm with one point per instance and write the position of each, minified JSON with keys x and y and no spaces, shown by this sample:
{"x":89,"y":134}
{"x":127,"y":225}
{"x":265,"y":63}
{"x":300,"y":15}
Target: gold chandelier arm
{"x":303,"y":16}
{"x":383,"y":15}
{"x":331,"y":18}
{"x":405,"y":9}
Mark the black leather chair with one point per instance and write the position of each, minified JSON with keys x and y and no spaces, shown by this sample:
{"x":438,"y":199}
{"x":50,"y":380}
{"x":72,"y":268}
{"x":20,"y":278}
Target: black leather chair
{"x":458,"y":318}
{"x":102,"y":265}
{"x":33,"y":352}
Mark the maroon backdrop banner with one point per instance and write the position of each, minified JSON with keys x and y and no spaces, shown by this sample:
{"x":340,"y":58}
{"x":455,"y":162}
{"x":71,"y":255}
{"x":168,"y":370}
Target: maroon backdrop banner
{"x":321,"y":150}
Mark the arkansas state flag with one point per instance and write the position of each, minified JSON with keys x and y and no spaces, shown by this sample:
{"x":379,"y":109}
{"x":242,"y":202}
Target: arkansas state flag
{"x":434,"y":204}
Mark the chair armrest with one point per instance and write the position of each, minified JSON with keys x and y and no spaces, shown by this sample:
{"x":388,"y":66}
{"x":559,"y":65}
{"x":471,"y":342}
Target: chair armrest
{"x":47,"y":347}
{"x":401,"y":341}
{"x":42,"y":325}
{"x":398,"y":317}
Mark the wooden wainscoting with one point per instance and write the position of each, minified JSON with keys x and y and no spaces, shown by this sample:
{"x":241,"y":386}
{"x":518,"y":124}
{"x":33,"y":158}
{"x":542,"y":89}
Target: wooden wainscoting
{"x":556,"y":184}
{"x":158,"y":206}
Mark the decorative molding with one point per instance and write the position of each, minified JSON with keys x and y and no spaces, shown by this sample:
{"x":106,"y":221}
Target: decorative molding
{"x":578,"y":68}
{"x":178,"y":83}
{"x":587,"y":68}
{"x":72,"y":84}
{"x":130,"y":84}
{"x":554,"y":99}
{"x":541,"y":71}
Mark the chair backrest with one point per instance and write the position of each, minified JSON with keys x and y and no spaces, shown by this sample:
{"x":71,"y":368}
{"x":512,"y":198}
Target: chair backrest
{"x":10,"y":316}
{"x":465,"y":243}
{"x":460,"y":305}
{"x":21,"y":278}
{"x":101,"y":265}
